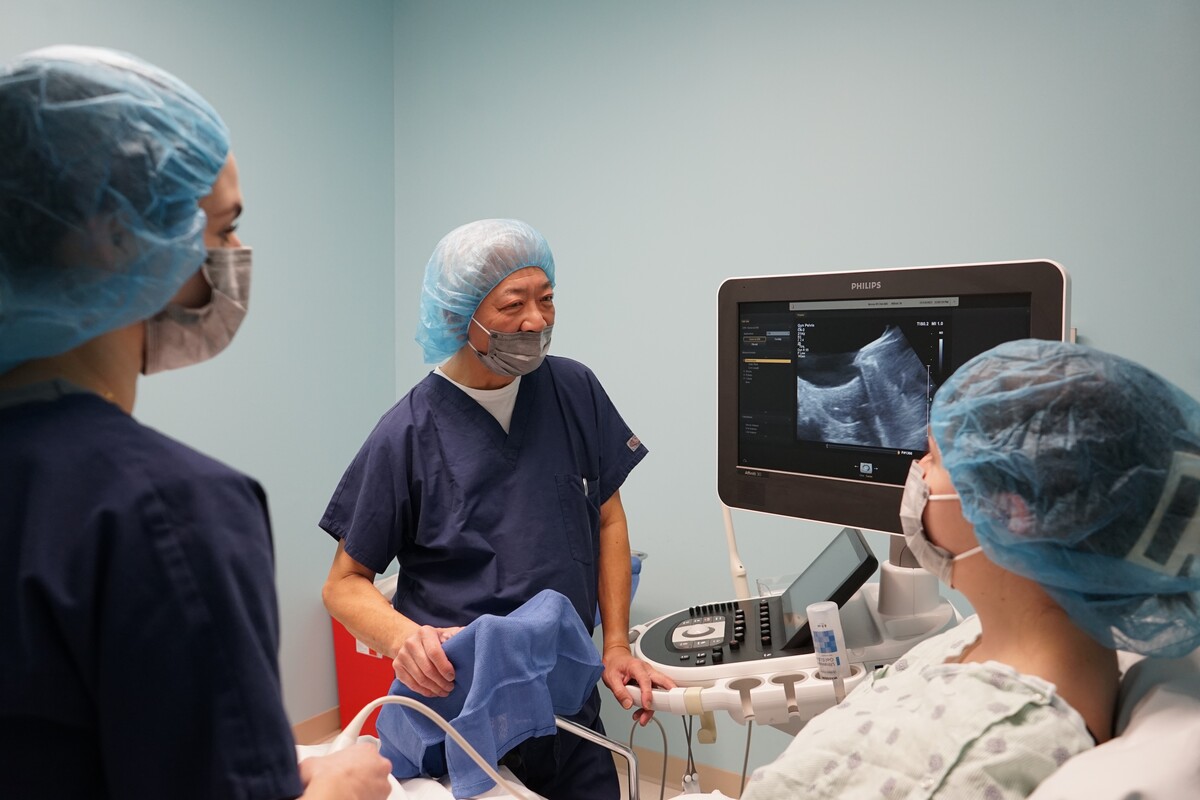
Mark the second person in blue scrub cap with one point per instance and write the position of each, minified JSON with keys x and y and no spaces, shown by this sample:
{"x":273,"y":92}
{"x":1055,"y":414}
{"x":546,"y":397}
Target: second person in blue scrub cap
{"x":496,"y":477}
{"x":139,"y":626}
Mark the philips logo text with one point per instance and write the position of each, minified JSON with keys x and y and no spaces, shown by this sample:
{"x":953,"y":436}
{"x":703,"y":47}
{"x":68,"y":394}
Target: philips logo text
{"x":866,"y":285}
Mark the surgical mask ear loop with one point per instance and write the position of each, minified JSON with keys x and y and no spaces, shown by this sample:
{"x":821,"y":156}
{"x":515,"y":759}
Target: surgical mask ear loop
{"x":933,"y":558}
{"x":954,"y":559}
{"x":964,"y":554}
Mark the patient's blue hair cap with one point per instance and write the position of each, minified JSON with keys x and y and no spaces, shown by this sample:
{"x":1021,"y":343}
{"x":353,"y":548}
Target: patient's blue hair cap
{"x":1081,"y":470}
{"x":467,"y":264}
{"x":103,"y":159}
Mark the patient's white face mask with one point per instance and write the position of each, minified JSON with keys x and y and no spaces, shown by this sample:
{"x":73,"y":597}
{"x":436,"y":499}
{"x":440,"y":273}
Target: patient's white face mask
{"x":931,"y":557}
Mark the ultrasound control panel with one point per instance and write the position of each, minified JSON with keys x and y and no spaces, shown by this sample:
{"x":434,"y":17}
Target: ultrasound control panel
{"x":720,"y":633}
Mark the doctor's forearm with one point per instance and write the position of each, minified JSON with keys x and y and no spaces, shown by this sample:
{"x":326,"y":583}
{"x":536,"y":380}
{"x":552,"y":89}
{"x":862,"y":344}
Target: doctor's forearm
{"x":350,"y":596}
{"x":615,"y":577}
{"x":614,"y":609}
{"x":367,"y":614}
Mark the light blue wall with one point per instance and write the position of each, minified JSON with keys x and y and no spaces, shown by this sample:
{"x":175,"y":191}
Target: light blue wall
{"x":306,"y":88}
{"x":663,"y":147}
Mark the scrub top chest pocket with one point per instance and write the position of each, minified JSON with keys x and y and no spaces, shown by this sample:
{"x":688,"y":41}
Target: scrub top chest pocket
{"x":578,"y":499}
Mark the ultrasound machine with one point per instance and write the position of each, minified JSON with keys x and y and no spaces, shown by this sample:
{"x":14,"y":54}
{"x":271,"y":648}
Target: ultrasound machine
{"x":824,"y":384}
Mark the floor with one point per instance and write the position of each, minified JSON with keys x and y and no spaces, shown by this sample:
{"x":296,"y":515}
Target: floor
{"x":649,"y":788}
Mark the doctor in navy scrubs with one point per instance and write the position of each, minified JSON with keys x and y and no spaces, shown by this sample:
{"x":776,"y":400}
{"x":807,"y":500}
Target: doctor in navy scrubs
{"x":496,"y":477}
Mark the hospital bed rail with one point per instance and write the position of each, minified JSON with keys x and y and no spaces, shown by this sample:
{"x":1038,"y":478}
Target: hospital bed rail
{"x":615,"y":747}
{"x":351,"y":732}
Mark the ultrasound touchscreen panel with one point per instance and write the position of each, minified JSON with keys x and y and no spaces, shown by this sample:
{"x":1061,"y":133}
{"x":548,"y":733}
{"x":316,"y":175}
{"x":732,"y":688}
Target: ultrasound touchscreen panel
{"x":836,"y":574}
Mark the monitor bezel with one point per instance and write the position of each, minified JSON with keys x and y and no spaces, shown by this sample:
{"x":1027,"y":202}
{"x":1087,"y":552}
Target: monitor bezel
{"x":841,"y":502}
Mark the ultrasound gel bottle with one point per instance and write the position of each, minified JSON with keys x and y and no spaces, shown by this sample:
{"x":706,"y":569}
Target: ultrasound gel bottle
{"x":829,"y":644}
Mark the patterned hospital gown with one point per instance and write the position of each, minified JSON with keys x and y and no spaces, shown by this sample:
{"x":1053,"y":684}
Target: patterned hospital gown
{"x":925,"y":728}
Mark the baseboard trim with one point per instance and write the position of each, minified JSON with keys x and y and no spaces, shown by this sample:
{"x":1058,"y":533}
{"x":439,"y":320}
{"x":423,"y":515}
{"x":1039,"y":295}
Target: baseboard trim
{"x":650,"y":768}
{"x":314,"y":730}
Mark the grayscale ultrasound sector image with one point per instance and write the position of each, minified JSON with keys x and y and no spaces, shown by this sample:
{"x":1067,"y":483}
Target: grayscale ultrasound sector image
{"x":876,"y":396}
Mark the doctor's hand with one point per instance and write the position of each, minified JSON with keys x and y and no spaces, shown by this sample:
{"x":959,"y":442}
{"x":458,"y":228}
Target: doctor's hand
{"x":621,"y":668}
{"x":356,"y":773}
{"x":421,"y":664}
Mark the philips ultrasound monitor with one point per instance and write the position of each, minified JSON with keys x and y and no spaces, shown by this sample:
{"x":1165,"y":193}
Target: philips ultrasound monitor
{"x":824,"y":380}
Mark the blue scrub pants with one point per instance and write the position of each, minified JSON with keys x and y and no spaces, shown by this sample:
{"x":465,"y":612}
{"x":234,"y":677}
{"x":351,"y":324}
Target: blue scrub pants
{"x":564,"y":766}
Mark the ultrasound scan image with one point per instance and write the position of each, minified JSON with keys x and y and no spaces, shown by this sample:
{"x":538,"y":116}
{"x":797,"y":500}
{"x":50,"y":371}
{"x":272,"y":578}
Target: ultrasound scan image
{"x":876,"y":396}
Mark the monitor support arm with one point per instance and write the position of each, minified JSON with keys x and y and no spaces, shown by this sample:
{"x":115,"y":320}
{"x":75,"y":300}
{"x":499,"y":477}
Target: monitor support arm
{"x":737,"y":570}
{"x":904,"y":587}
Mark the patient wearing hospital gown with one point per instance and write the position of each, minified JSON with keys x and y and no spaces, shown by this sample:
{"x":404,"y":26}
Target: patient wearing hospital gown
{"x":927,"y":726}
{"x":1061,"y":496}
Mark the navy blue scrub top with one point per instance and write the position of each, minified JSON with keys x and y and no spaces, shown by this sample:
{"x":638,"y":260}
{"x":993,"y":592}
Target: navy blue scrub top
{"x":138,"y":619}
{"x":481,"y":521}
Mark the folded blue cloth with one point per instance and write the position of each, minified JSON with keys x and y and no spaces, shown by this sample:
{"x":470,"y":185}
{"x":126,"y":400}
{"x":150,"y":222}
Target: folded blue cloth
{"x":511,"y":676}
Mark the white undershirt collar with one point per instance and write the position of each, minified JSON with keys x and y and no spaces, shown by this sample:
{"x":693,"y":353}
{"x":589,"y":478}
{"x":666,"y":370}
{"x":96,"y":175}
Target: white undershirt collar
{"x":497,"y":402}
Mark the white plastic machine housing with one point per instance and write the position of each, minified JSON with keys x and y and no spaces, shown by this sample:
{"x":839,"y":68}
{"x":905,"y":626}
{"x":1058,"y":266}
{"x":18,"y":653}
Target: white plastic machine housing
{"x":786,"y":690}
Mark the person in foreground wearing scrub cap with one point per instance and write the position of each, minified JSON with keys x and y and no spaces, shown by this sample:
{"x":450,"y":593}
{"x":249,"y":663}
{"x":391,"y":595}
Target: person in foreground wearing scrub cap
{"x":496,"y":477}
{"x":1061,"y":496}
{"x":137,"y":607}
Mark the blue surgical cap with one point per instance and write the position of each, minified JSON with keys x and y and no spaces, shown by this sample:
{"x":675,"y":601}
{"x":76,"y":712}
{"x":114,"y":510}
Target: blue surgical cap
{"x":1081,"y":471}
{"x":467,"y":264}
{"x":103,"y":159}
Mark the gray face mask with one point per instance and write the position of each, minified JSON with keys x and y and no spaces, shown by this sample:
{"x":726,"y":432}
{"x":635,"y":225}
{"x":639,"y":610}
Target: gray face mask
{"x":514,"y":354}
{"x":179,"y":337}
{"x":932,"y":558}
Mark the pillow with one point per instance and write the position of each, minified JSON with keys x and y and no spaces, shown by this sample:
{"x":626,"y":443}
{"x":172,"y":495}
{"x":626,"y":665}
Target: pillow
{"x":1156,"y":754}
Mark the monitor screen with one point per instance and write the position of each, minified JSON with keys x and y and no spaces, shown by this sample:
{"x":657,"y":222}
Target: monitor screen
{"x":825,"y":380}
